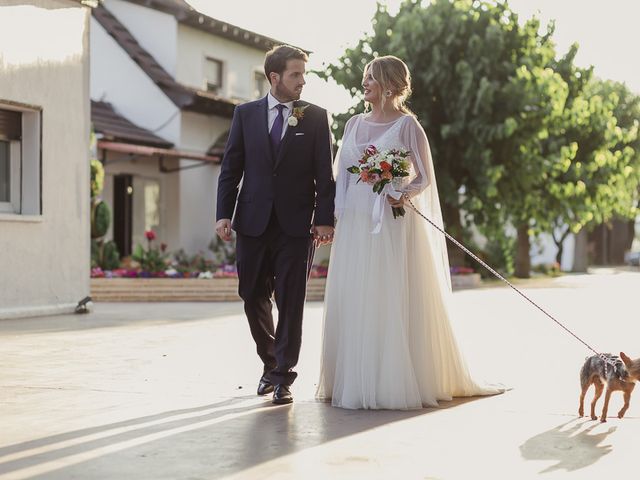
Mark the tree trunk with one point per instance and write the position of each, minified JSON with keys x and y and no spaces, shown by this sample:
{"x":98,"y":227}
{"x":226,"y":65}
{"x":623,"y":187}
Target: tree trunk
{"x":559,"y":254}
{"x":453,"y":226}
{"x":523,"y":258}
{"x":560,"y":244}
{"x":581,"y":252}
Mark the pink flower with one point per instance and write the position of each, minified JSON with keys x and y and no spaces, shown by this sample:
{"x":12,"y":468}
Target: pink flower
{"x":374,"y":178}
{"x":364,"y":176}
{"x":387,"y":175}
{"x":371,"y":150}
{"x":150,"y":235}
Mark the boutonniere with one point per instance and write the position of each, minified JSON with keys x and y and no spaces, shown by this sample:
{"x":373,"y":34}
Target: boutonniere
{"x":296,"y":115}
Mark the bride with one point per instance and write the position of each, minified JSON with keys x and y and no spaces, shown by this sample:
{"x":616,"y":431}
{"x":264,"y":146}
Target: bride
{"x":387,"y":341}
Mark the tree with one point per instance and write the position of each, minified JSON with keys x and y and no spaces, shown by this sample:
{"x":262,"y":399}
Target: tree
{"x":519,"y":138}
{"x":599,"y":181}
{"x":481,"y":89}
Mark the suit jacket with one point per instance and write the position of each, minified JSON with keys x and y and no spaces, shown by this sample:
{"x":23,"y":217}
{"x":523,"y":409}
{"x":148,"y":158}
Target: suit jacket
{"x":297,"y":180}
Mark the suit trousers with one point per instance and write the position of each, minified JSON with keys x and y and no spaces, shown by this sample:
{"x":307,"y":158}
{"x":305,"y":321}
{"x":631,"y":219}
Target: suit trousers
{"x":275,"y":264}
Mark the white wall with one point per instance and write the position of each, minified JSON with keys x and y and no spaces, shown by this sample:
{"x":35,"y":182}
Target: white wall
{"x":44,"y":259}
{"x":239,"y":62}
{"x":117,"y":79}
{"x":198,"y":185}
{"x":154,"y":30}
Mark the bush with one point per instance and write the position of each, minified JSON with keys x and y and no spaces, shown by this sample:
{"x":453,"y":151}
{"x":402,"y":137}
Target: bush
{"x":224,"y":253}
{"x":100,"y":219}
{"x":151,"y":260}
{"x":104,"y":255}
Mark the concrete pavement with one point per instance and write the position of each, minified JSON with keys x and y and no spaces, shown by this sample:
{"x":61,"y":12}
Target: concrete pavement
{"x":166,"y":391}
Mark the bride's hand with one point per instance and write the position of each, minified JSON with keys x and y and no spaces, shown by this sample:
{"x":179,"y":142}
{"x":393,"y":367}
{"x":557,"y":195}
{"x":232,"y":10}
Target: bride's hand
{"x":396,"y":203}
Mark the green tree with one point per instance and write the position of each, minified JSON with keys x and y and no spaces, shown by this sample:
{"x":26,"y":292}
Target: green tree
{"x":482,"y":91}
{"x":519,"y":137}
{"x":601,"y":181}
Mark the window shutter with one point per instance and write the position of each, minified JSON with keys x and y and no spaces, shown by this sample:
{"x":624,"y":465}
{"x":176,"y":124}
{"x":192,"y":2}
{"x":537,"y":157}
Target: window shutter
{"x":10,"y":124}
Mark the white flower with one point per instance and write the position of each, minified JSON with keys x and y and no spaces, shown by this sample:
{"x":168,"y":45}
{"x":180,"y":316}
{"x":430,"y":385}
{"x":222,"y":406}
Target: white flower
{"x":205,"y":275}
{"x":293,"y":121}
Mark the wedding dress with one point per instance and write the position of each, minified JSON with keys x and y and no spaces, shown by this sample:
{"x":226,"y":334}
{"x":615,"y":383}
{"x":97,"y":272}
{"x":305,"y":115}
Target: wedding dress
{"x":387,"y":340}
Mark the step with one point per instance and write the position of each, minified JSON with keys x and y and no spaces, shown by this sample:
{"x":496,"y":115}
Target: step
{"x":179,"y":290}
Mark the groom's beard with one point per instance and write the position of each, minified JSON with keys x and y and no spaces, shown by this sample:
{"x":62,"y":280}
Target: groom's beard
{"x":283,"y":92}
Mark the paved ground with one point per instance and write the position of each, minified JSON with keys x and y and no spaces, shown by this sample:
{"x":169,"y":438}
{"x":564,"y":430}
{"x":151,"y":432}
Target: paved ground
{"x":166,"y":391}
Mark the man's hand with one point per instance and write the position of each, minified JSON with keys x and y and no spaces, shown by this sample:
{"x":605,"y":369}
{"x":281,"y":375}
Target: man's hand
{"x":223,"y":229}
{"x":322,"y":235}
{"x":397,"y":203}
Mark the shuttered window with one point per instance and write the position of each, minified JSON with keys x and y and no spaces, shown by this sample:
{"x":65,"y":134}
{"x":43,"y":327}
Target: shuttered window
{"x":10,"y":125}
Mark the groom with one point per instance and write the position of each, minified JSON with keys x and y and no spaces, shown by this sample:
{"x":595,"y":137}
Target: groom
{"x":280,"y":148}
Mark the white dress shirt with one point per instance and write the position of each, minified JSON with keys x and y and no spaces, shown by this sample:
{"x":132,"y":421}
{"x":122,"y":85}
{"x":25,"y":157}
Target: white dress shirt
{"x":273,"y":112}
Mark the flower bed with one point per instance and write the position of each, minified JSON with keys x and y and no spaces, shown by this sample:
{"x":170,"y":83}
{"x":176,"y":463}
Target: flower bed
{"x":224,"y":271}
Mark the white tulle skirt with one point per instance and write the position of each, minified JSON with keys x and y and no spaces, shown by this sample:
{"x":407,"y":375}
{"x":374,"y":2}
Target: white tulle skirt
{"x":387,"y":340}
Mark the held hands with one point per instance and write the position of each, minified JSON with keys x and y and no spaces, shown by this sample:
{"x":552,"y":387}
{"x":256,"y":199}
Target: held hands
{"x":322,"y":235}
{"x":223,"y":229}
{"x":398,"y":203}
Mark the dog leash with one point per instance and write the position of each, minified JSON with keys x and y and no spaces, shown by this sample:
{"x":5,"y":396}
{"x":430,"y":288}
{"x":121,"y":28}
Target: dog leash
{"x":604,"y":358}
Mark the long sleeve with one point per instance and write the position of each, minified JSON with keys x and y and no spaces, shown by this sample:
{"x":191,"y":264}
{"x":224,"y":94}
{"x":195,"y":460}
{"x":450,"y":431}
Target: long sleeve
{"x":414,"y":137}
{"x":325,"y":185}
{"x":340,"y":172}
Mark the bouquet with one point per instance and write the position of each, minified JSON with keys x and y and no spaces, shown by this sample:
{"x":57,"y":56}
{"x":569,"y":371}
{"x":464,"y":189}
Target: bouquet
{"x":380,"y":168}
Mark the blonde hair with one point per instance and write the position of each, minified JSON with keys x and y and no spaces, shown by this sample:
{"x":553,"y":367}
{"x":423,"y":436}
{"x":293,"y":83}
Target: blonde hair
{"x":393,"y":76}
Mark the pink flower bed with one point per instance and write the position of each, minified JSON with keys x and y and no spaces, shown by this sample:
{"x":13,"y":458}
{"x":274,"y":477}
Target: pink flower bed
{"x":225,"y":271}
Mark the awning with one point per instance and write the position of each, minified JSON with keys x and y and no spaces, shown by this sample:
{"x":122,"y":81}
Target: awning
{"x":146,"y":151}
{"x":217,"y":148}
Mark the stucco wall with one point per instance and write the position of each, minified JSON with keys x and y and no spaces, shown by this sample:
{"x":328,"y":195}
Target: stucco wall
{"x":199,"y":185}
{"x":44,"y":259}
{"x":117,"y":79}
{"x":154,"y":30}
{"x":239,"y":62}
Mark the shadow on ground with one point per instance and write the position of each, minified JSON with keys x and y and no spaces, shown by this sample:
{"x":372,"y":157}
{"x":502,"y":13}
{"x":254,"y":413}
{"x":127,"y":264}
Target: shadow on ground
{"x":209,"y":441}
{"x":106,"y":315}
{"x":571,"y":445}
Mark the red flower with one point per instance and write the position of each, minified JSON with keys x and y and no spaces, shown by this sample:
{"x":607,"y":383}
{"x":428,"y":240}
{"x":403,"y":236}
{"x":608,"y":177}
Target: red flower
{"x":163,"y":246}
{"x":150,"y":235}
{"x":385,"y":166}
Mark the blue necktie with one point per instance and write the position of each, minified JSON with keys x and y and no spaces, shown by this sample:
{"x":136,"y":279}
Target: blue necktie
{"x":276,"y":128}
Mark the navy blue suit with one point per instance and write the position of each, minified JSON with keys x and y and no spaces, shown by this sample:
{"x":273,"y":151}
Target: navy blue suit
{"x":284,"y":193}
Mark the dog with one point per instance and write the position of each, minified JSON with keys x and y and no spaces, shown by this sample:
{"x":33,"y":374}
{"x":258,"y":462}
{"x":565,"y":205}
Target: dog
{"x":622,"y":375}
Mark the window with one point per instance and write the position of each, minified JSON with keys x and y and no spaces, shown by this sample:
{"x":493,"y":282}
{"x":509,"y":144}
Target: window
{"x":19,"y":160}
{"x":10,"y":134}
{"x":260,"y":85}
{"x":5,"y":172}
{"x":212,"y":75}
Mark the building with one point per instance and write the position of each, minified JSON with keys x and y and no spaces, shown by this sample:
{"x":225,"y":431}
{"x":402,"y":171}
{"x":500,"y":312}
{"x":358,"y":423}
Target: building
{"x":44,"y":156}
{"x":165,"y":80}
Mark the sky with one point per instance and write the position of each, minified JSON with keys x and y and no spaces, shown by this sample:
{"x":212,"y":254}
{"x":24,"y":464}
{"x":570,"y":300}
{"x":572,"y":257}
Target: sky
{"x":607,"y":32}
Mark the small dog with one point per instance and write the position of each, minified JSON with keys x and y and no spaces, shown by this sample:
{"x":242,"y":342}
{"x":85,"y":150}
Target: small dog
{"x":620,"y":376}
